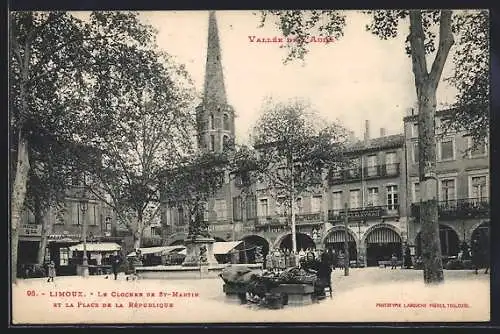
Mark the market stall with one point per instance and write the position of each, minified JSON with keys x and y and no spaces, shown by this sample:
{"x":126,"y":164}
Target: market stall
{"x":99,"y":255}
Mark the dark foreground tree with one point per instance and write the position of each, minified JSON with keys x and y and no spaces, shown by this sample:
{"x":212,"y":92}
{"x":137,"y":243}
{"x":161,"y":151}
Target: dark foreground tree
{"x":422,"y":40}
{"x":50,"y":52}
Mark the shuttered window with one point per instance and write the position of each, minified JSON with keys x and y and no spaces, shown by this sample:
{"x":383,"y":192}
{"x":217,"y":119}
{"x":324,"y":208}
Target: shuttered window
{"x":251,"y":206}
{"x":237,"y":210}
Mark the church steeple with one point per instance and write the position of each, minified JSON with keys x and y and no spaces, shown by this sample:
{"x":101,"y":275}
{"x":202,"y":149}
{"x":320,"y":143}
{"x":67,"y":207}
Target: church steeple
{"x":214,"y":89}
{"x":215,"y":117}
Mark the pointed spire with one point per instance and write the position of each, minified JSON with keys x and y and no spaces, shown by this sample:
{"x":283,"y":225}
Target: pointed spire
{"x":214,"y":90}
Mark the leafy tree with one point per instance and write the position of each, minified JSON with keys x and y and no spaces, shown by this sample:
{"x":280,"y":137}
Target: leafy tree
{"x":147,"y":128}
{"x":471,"y":77}
{"x":49,"y":54}
{"x":422,"y":40}
{"x":295,"y":147}
{"x":192,"y":183}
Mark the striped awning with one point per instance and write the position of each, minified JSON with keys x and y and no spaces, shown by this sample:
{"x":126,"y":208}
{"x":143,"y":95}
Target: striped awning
{"x":383,"y":236}
{"x":338,"y":236}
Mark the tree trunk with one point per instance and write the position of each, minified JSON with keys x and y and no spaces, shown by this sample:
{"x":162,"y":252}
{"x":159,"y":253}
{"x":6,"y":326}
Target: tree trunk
{"x":431,"y":245}
{"x":138,"y":233}
{"x":426,"y":86}
{"x":17,"y":199}
{"x":42,"y":220}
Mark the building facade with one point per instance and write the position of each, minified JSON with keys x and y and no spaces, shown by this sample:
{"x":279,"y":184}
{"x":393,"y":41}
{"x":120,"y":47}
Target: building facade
{"x":65,"y":229}
{"x":374,"y":189}
{"x":380,"y":190}
{"x":463,"y":186}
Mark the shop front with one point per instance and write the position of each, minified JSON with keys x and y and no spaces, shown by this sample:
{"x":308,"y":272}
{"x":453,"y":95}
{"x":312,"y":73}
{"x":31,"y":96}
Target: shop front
{"x":381,"y":243}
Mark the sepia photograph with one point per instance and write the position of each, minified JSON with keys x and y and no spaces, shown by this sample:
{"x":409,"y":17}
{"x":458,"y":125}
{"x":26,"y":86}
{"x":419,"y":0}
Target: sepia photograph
{"x":249,"y":166}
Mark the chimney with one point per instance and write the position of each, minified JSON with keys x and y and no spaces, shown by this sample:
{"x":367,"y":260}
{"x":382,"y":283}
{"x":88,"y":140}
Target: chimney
{"x":410,"y":111}
{"x":382,"y":132}
{"x":367,"y":130}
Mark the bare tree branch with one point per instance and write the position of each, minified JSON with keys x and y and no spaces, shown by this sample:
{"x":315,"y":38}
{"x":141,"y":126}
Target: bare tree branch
{"x":446,"y":41}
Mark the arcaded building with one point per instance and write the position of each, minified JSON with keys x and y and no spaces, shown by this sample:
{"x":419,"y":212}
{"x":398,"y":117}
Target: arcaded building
{"x":380,"y":189}
{"x":463,"y":186}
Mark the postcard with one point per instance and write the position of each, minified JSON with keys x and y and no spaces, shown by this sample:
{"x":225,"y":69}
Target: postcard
{"x":249,"y":166}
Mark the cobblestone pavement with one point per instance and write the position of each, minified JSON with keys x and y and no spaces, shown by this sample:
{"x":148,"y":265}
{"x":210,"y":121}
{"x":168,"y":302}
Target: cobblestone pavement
{"x":367,"y":294}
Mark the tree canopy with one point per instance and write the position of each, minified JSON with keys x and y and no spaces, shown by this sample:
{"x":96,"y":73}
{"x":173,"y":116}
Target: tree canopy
{"x":295,"y":146}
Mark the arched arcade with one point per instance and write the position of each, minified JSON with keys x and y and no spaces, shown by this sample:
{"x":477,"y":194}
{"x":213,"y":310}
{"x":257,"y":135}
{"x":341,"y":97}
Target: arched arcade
{"x":382,"y":241}
{"x":450,"y":242}
{"x":335,"y":240}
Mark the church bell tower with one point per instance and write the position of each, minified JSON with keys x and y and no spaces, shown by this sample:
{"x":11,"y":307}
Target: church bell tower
{"x":215,"y":117}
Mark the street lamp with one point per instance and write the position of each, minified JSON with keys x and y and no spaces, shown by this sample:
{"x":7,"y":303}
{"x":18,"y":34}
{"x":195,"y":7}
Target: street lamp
{"x":84,"y":202}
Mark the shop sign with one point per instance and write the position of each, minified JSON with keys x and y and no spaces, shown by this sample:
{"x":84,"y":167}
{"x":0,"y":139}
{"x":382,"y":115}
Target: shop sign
{"x":31,"y":230}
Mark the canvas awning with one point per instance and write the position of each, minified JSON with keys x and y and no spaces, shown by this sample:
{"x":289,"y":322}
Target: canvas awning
{"x":221,"y":248}
{"x":383,"y":236}
{"x":160,"y":249}
{"x":97,"y":247}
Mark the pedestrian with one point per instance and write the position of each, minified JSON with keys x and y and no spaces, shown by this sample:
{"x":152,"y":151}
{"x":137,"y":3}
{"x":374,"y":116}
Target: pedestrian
{"x":269,"y":260}
{"x":325,"y":272}
{"x":116,"y":265}
{"x":408,"y":261}
{"x":394,"y":261}
{"x":476,"y":255}
{"x":287,"y":258}
{"x":51,"y":271}
{"x":302,"y":254}
{"x":275,"y":260}
{"x":334,"y":259}
{"x":486,"y":252}
{"x":340,"y":260}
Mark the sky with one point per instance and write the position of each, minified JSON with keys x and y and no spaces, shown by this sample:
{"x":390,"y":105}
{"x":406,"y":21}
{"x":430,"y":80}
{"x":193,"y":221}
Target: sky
{"x":356,"y":78}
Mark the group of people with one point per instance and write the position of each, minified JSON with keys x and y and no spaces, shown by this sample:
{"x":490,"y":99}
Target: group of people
{"x":278,"y":260}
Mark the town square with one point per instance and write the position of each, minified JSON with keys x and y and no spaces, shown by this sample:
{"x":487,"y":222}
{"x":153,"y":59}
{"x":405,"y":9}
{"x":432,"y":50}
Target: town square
{"x":244,"y":166}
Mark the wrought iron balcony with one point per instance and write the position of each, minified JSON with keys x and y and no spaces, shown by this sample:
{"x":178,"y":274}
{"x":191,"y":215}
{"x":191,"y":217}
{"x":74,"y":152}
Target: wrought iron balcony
{"x":461,"y":208}
{"x":271,"y":220}
{"x":366,"y":213}
{"x":308,"y":218}
{"x":356,"y":174}
{"x":283,"y":220}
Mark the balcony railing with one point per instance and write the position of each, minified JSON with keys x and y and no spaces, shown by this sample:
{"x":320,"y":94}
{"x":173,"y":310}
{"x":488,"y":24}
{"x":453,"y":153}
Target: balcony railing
{"x":308,"y":218}
{"x":366,"y":213}
{"x":282,"y":220}
{"x":461,"y":208}
{"x":356,"y":174}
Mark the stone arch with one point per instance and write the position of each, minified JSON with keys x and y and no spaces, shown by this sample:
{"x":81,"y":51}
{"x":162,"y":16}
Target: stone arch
{"x":280,"y":238}
{"x":484,"y":222}
{"x":338,"y":228}
{"x":381,"y":225}
{"x":339,"y":246}
{"x":449,"y":246}
{"x":250,"y":242}
{"x":454,"y":228}
{"x":384,"y":246}
{"x":261,"y":235}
